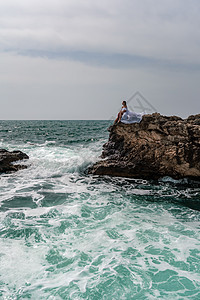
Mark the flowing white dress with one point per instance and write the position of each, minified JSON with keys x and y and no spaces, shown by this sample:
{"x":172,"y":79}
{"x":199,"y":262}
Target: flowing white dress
{"x":130,"y":117}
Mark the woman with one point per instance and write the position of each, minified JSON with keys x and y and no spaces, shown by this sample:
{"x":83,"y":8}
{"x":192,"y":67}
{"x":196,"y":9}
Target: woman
{"x":122,"y":111}
{"x":128,"y":117}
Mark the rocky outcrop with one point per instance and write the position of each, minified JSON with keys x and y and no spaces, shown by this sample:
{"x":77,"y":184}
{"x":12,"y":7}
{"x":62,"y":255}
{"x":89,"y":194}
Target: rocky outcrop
{"x":8,"y":158}
{"x":156,"y":147}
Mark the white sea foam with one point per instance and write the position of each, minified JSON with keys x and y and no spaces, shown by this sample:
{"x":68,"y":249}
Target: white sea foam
{"x":67,"y":235}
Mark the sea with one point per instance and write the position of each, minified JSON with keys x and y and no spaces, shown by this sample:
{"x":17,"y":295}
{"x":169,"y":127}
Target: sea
{"x":65,"y":234}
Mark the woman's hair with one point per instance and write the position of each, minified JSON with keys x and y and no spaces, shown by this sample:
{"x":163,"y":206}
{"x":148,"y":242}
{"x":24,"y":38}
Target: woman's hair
{"x":124,"y":102}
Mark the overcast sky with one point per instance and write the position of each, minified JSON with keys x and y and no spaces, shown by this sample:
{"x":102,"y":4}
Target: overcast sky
{"x":78,"y":59}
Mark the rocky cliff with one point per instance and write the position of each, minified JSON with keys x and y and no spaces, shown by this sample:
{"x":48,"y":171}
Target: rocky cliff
{"x":8,"y":158}
{"x":156,"y":147}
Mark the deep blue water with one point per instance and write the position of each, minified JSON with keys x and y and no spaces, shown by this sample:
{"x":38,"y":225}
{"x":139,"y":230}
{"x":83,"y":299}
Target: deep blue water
{"x":68,"y":235}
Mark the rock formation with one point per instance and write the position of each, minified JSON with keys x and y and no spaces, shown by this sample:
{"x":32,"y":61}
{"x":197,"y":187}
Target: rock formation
{"x":158,"y":146}
{"x":7,"y":158}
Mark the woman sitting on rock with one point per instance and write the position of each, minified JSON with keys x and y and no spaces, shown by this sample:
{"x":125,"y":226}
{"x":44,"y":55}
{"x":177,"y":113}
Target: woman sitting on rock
{"x":128,"y":117}
{"x":122,"y":111}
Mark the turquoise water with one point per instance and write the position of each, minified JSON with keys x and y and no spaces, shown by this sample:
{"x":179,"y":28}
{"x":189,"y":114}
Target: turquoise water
{"x":68,"y":235}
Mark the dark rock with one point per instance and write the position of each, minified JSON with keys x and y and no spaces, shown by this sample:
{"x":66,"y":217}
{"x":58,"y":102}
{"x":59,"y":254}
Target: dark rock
{"x":8,"y":158}
{"x":158,"y":146}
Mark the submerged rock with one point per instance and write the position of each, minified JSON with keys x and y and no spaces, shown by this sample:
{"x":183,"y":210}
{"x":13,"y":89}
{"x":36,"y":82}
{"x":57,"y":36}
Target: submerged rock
{"x":8,"y":158}
{"x":158,"y":146}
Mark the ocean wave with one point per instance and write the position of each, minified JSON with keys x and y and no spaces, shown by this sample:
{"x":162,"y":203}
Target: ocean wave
{"x":68,"y":235}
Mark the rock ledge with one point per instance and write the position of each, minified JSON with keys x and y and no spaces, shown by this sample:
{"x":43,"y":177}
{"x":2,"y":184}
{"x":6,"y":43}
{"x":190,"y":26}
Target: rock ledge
{"x":156,"y":147}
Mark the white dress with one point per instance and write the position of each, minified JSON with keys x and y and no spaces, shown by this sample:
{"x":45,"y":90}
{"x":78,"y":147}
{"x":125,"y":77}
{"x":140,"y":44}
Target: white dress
{"x":130,"y":117}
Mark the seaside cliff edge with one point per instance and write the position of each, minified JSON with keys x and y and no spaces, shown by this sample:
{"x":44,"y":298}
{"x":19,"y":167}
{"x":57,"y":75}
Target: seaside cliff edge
{"x":156,"y":147}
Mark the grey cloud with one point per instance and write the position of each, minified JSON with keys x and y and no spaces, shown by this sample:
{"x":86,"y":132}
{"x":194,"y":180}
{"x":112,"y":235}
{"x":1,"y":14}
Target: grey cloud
{"x":151,"y":29}
{"x":114,"y":60}
{"x":54,"y":53}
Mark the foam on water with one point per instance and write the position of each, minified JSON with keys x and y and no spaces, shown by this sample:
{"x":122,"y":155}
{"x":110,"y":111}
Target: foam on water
{"x":68,"y":235}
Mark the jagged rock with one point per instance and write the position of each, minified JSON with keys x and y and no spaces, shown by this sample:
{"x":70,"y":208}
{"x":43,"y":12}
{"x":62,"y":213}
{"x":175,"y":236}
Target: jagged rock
{"x":7,"y":158}
{"x":158,"y":146}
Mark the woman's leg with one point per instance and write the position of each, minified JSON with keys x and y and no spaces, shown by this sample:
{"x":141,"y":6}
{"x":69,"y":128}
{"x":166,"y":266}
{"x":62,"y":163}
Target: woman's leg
{"x":120,"y":116}
{"x":117,"y":119}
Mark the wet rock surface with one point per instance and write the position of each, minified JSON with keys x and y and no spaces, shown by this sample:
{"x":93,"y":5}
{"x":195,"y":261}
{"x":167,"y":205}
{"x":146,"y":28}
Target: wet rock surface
{"x":158,"y":146}
{"x":7,"y":159}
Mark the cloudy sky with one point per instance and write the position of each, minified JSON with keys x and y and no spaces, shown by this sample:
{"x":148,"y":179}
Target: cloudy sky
{"x":78,"y":59}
